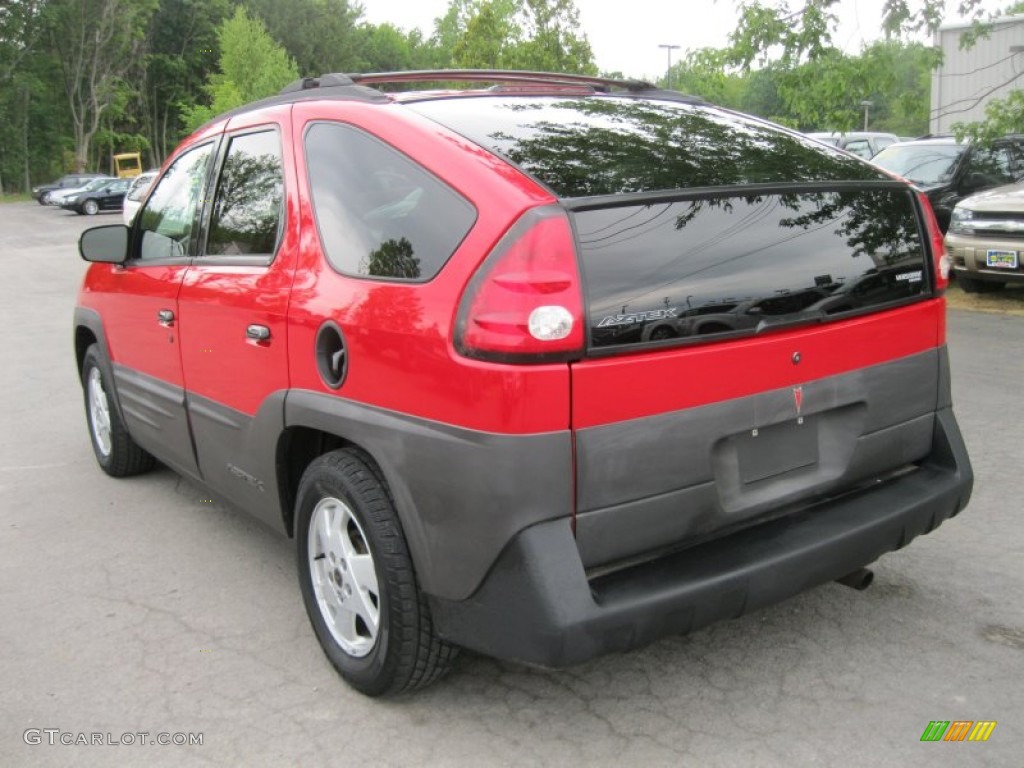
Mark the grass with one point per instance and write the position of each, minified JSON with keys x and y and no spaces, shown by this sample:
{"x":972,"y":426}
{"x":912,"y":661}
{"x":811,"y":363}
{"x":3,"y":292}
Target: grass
{"x":1008,"y":301}
{"x":22,"y":197}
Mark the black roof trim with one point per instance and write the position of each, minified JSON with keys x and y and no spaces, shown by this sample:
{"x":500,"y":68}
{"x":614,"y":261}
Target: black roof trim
{"x":324,"y":81}
{"x":498,"y":76}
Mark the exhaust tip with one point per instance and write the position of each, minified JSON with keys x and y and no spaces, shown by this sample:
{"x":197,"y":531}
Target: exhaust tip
{"x":860,"y":579}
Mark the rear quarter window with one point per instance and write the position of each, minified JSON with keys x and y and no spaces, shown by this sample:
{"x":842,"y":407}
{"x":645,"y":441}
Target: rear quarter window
{"x":379,"y":213}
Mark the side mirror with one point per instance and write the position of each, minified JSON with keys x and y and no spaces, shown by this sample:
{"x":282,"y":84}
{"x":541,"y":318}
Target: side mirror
{"x":106,"y":245}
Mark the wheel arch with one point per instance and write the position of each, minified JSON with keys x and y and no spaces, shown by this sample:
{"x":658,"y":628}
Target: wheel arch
{"x":300,"y":444}
{"x":458,"y":493}
{"x":88,"y":327}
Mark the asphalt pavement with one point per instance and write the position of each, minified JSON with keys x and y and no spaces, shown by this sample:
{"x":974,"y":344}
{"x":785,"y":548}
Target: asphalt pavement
{"x":138,"y":611}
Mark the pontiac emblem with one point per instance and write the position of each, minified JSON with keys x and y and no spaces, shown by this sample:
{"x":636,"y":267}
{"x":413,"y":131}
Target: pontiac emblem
{"x":798,"y":399}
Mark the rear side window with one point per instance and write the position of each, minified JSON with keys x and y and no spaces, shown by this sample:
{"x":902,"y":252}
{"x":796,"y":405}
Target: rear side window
{"x":692,"y":269}
{"x":247,"y":207}
{"x":379,"y":213}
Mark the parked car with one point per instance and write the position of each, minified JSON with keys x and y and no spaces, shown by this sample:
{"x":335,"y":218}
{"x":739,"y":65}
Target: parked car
{"x":949,"y":171}
{"x":984,"y":240}
{"x":108,"y":196}
{"x":376,"y":321}
{"x":69,"y":181}
{"x":864,"y":144}
{"x":56,"y":197}
{"x":136,"y":193}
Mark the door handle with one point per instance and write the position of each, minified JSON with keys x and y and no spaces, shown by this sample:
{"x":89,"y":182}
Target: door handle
{"x":257,"y":332}
{"x":165,"y":317}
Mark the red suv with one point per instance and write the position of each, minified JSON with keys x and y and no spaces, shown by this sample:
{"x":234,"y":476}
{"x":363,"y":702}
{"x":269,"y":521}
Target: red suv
{"x":408,"y":329}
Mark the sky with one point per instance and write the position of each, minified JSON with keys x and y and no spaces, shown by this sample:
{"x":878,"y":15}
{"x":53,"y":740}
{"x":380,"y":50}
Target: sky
{"x":625,"y":35}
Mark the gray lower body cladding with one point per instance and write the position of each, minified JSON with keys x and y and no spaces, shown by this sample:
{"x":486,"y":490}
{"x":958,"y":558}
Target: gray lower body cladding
{"x":538,"y":606}
{"x":673,"y":478}
{"x":461,"y":494}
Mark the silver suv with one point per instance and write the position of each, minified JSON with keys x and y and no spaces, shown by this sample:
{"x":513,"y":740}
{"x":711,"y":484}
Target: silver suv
{"x":986,"y":239}
{"x":864,"y":144}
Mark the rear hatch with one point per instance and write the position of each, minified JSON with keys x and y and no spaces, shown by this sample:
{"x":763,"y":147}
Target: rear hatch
{"x":749,"y":354}
{"x":762,"y":328}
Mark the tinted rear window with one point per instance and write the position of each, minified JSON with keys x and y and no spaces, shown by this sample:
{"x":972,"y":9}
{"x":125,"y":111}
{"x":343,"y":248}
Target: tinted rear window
{"x":602,"y":145}
{"x":744,"y":264}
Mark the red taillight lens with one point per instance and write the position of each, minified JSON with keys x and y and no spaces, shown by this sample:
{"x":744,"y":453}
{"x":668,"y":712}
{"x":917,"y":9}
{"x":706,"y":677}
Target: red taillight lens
{"x":939,"y":256}
{"x":525,"y":303}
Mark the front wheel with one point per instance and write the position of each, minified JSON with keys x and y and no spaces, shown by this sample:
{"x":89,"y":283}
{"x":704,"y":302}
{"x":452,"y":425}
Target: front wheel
{"x":358,"y":583}
{"x":117,"y":454}
{"x":90,"y":207}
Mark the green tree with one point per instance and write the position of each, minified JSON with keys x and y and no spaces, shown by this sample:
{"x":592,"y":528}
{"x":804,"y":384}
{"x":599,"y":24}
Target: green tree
{"x":822,"y":87}
{"x":761,"y":95}
{"x":550,"y":40}
{"x":183,"y":48}
{"x":512,"y":34}
{"x":251,"y":66}
{"x":704,"y":73}
{"x":96,"y":44}
{"x":321,"y":35}
{"x":488,"y":40}
{"x":20,"y":34}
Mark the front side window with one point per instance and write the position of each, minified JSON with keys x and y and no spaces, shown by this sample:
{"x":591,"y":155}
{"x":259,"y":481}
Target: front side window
{"x":379,"y":213}
{"x":247,"y":207}
{"x":171,"y":212}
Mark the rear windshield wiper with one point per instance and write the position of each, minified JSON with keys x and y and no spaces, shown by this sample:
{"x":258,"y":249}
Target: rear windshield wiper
{"x":804,"y":317}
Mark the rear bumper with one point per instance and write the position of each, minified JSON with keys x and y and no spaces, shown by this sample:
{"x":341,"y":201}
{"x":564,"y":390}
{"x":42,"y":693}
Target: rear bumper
{"x":537,"y":605}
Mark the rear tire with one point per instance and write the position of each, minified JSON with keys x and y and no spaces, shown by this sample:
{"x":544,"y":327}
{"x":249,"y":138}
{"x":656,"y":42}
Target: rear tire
{"x":116,"y":453}
{"x":973,"y":285}
{"x":358,"y":583}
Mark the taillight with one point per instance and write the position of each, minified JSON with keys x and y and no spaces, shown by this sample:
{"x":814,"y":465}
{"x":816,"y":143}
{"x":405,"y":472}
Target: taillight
{"x":525,"y":303}
{"x":939,"y":256}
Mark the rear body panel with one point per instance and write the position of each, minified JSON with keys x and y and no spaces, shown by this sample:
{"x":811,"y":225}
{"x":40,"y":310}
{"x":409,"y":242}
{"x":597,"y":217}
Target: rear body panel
{"x":662,"y":481}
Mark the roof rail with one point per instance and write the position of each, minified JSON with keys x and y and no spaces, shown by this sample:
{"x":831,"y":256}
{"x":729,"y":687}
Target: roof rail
{"x":496,"y":76}
{"x":308,"y":83}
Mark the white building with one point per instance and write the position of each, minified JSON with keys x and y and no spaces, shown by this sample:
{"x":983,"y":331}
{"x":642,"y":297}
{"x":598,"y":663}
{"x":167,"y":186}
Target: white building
{"x":968,"y":79}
